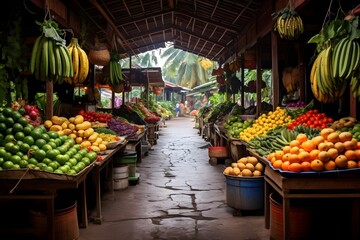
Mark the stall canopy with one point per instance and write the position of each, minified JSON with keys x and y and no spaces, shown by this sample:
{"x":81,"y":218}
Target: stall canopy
{"x":175,"y":88}
{"x":210,"y":86}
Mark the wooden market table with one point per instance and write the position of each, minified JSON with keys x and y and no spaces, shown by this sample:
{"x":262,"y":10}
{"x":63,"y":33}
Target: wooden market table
{"x":338,"y":184}
{"x":105,"y":163}
{"x":134,"y":144}
{"x":29,"y":184}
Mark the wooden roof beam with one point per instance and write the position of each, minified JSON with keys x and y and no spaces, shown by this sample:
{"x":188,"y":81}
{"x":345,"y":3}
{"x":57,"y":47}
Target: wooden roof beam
{"x":198,"y":36}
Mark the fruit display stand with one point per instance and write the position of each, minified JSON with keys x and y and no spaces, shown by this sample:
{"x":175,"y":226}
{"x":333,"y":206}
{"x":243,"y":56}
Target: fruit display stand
{"x":105,"y":163}
{"x":237,"y":149}
{"x":28,"y":184}
{"x":153,"y":132}
{"x":337,"y":184}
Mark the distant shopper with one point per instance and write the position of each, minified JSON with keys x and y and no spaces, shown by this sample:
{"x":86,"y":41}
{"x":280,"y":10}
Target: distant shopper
{"x":177,"y":109}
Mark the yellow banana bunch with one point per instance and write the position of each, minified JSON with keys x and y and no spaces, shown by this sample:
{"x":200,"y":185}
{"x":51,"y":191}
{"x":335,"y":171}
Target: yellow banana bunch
{"x":80,"y":63}
{"x":288,"y":24}
{"x":206,"y":63}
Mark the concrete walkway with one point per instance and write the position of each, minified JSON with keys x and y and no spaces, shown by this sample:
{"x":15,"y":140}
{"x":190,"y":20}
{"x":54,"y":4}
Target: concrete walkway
{"x":179,"y":196}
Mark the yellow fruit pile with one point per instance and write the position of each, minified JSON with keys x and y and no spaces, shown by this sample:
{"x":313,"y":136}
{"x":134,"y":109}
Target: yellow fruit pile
{"x":265,"y":122}
{"x":245,"y":167}
{"x":78,"y":129}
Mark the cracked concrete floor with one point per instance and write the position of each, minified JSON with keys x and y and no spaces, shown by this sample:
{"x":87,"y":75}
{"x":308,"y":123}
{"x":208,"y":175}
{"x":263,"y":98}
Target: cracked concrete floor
{"x":179,"y":196}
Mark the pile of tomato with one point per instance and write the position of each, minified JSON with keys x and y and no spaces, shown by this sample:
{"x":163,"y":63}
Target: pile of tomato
{"x":312,"y":118}
{"x":92,"y":116}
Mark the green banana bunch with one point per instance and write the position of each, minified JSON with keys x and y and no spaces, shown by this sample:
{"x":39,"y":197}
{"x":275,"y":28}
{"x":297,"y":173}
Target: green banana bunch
{"x":116,"y":76}
{"x":50,"y":60}
{"x":79,"y":62}
{"x":288,"y":24}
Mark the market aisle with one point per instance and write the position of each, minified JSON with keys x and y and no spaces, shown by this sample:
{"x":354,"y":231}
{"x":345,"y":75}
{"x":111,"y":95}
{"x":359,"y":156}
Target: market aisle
{"x":179,"y":196}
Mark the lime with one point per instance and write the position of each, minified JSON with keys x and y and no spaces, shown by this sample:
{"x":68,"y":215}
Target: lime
{"x":58,"y":142}
{"x":8,"y":165}
{"x":9,"y":122}
{"x":25,"y":157}
{"x":2,"y":152}
{"x":46,"y":147}
{"x":62,"y":159}
{"x":32,"y":166}
{"x":36,"y":133}
{"x":8,"y":146}
{"x":41,"y":165}
{"x":48,"y":169}
{"x":2,"y":127}
{"x":16,"y":166}
{"x":46,"y":161}
{"x":17,"y":127}
{"x":15,"y":159}
{"x":71,"y":172}
{"x":54,"y":165}
{"x":63,"y":138}
{"x":40,"y":154}
{"x":86,"y":161}
{"x":2,"y":117}
{"x":20,"y":154}
{"x":53,"y":134}
{"x":1,"y":161}
{"x":34,"y":147}
{"x":19,"y":136}
{"x":58,"y":171}
{"x":41,"y":128}
{"x":81,"y":165}
{"x":8,"y":131}
{"x":7,"y":156}
{"x":23,"y":163}
{"x":16,"y":115}
{"x":45,"y":136}
{"x":23,"y":121}
{"x":52,"y":144}
{"x":9,"y":138}
{"x":27,"y":131}
{"x":62,"y":149}
{"x":73,"y":161}
{"x":92,"y":156}
{"x":64,"y":168}
{"x":24,"y":147}
{"x":40,"y":142}
{"x":15,"y":148}
{"x":77,"y":147}
{"x":77,"y":156}
{"x":83,"y":152}
{"x":33,"y":161}
{"x":7,"y":112}
{"x":51,"y":154}
{"x":29,"y":140}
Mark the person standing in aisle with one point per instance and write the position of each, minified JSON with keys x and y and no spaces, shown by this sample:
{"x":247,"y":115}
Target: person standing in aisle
{"x":177,"y":109}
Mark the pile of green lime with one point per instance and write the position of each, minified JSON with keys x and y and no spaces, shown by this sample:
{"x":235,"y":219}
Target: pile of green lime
{"x":24,"y":146}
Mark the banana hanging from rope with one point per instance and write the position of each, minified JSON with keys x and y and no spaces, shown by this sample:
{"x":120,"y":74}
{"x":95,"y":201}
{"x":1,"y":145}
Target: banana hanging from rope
{"x":288,"y":24}
{"x":79,"y":62}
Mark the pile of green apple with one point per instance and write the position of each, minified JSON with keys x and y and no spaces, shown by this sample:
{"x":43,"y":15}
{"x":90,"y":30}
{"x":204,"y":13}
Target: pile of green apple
{"x":235,"y":125}
{"x":24,"y":146}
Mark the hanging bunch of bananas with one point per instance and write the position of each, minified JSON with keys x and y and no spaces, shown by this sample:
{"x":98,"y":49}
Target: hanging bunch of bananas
{"x":325,"y":87}
{"x":206,"y":63}
{"x":79,"y":61}
{"x":288,"y":23}
{"x":235,"y":65}
{"x":50,"y":59}
{"x":115,"y":76}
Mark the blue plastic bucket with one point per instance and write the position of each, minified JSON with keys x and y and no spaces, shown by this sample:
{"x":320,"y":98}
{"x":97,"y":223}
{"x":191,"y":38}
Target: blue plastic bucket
{"x":245,"y":193}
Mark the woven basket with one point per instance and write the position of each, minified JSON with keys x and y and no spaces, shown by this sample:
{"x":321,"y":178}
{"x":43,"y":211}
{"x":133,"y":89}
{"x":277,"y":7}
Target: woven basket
{"x":99,"y":57}
{"x":218,"y":152}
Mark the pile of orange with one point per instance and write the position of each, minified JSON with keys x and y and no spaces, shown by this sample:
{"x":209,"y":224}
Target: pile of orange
{"x":330,"y":150}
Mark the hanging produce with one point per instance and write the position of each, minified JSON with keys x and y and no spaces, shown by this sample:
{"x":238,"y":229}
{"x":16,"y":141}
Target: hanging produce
{"x":288,"y":23}
{"x":116,"y":76}
{"x":80,"y":63}
{"x":291,"y":78}
{"x":337,"y":60}
{"x":50,"y":59}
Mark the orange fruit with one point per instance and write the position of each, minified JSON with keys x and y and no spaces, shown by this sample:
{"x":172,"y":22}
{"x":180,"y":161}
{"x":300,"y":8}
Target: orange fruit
{"x":305,"y":166}
{"x":294,"y":158}
{"x":341,"y":161}
{"x":330,"y":165}
{"x":304,"y":156}
{"x":357,"y":153}
{"x":350,"y":154}
{"x":345,"y":136}
{"x":286,"y":149}
{"x":317,"y":140}
{"x":308,"y":145}
{"x":330,"y":145}
{"x":295,"y":150}
{"x":323,"y":146}
{"x":325,"y":132}
{"x":333,"y":153}
{"x":279,"y":154}
{"x":358,"y":145}
{"x":301,"y":137}
{"x":340,"y":147}
{"x":317,"y":165}
{"x":286,"y":157}
{"x":349,"y":145}
{"x":277,"y":164}
{"x":285,"y":166}
{"x":314,"y":154}
{"x":270,"y":156}
{"x":323,"y":156}
{"x":333,"y":137}
{"x":273,"y":160}
{"x":295,"y":167}
{"x":294,"y":143}
{"x":351,"y":164}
